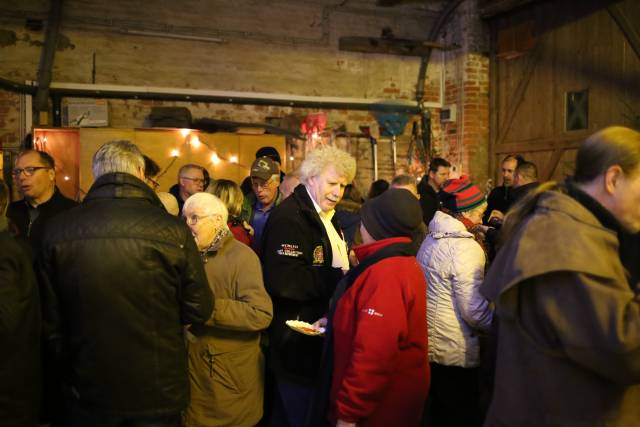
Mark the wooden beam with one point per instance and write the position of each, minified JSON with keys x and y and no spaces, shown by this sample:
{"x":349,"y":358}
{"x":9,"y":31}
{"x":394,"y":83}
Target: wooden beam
{"x":490,"y":8}
{"x":552,"y":164}
{"x":512,"y":108}
{"x":41,"y":101}
{"x":390,"y":46}
{"x":493,"y":101}
{"x":627,"y":28}
{"x":545,"y":144}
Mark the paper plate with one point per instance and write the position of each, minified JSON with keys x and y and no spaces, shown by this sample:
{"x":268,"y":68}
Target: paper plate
{"x":304,"y":327}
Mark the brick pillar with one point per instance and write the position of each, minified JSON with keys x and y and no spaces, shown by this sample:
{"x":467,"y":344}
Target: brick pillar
{"x":465,"y":141}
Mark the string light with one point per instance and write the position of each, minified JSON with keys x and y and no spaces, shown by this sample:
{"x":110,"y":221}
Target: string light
{"x":215,"y":159}
{"x":175,"y":153}
{"x":291,"y":158}
{"x":185,"y":132}
{"x":66,"y":178}
{"x":233,"y":159}
{"x":195,"y":141}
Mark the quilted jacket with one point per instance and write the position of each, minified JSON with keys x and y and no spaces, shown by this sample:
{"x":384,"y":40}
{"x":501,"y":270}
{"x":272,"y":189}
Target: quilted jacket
{"x":119,"y":279}
{"x":453,"y":264}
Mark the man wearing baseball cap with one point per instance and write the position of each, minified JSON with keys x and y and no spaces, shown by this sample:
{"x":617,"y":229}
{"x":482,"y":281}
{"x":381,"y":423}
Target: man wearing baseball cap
{"x":265,"y":195}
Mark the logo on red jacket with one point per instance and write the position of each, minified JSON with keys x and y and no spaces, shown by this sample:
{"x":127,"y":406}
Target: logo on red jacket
{"x":372,"y":312}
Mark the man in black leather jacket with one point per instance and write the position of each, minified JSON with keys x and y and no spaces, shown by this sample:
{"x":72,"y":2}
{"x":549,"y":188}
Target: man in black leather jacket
{"x":119,"y":278}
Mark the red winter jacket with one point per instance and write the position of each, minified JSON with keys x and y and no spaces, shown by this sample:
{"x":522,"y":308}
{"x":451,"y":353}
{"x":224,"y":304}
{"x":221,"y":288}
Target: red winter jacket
{"x":381,"y":369}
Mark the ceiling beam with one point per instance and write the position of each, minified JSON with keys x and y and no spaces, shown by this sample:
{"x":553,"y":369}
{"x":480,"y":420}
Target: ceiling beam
{"x":391,"y":46}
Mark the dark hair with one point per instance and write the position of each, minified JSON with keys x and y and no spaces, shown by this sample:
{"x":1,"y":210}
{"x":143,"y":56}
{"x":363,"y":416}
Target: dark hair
{"x":403,"y":180}
{"x":352,"y":193}
{"x":270,"y":152}
{"x":4,"y":197}
{"x":151,"y":168}
{"x":437,"y":162}
{"x":517,"y":157}
{"x":378,"y":187}
{"x":528,"y":170}
{"x":44,"y":157}
{"x":614,"y":145}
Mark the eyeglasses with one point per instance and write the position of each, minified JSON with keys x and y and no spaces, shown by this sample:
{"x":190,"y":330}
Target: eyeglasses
{"x":193,"y":219}
{"x":28,"y":171}
{"x":261,"y":183}
{"x":196,"y":180}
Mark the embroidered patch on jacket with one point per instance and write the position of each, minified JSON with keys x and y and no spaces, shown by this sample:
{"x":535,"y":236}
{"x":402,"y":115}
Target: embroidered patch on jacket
{"x":372,"y":312}
{"x":318,"y":255}
{"x":288,"y":249}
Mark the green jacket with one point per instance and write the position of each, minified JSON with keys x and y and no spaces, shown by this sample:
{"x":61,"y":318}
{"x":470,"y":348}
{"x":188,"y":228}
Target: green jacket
{"x":569,"y":333}
{"x":226,"y":365}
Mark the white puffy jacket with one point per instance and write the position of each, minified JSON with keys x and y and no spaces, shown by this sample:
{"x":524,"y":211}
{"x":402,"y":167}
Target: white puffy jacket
{"x":453,"y":265}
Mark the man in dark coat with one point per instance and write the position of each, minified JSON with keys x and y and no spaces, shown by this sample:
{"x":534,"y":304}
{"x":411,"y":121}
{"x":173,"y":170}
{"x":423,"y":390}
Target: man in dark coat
{"x":120,"y":278}
{"x":304,"y":256}
{"x":430,"y":185}
{"x":35,"y":177}
{"x":569,"y":337}
{"x":501,"y":198}
{"x":525,"y":180}
{"x":19,"y":330}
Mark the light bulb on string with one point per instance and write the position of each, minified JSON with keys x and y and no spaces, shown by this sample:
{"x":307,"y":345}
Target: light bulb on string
{"x":175,"y":153}
{"x":195,"y":141}
{"x":185,"y":132}
{"x":233,"y":159}
{"x":215,"y":159}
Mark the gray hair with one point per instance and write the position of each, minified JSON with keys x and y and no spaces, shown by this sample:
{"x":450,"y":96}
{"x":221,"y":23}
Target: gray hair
{"x":318,"y":160}
{"x":207,"y":204}
{"x":118,"y":156}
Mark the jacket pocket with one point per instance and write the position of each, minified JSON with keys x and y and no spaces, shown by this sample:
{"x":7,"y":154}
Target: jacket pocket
{"x":232,"y":370}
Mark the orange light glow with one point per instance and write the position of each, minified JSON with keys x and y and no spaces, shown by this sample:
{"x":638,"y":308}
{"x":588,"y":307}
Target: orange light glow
{"x":215,"y":159}
{"x":175,"y":153}
{"x":233,"y":159}
{"x":185,"y":132}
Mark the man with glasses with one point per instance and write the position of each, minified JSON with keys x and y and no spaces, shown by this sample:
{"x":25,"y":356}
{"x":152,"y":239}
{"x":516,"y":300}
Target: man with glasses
{"x":257,"y":205}
{"x":192,"y":179}
{"x":35,"y":177}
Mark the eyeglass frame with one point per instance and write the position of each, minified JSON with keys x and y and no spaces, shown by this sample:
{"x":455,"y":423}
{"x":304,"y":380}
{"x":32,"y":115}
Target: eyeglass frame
{"x":29,"y":171}
{"x":196,"y":180}
{"x":266,"y":183}
{"x":189,"y":219}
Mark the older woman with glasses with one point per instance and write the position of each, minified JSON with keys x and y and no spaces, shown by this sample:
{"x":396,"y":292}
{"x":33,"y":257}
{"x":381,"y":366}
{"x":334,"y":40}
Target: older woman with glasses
{"x":226,"y":364}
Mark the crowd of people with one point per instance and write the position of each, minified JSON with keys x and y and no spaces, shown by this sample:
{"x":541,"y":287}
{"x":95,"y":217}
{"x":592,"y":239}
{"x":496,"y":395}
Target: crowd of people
{"x":428,"y":303}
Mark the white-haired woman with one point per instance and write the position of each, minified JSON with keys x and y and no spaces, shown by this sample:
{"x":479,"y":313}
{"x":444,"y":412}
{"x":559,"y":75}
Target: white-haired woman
{"x":453,"y":261}
{"x":226,"y":365}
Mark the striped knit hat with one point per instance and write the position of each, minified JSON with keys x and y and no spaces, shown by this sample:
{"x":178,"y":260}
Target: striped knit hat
{"x":461,"y":195}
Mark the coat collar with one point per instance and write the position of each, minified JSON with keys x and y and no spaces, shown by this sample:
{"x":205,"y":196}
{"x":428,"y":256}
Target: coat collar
{"x":445,"y":226}
{"x":363,"y":251}
{"x":121,"y":186}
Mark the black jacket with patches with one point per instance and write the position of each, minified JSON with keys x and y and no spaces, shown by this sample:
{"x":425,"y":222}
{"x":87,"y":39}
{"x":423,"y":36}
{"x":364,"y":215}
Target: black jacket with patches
{"x":119,"y":278}
{"x":296,"y":256}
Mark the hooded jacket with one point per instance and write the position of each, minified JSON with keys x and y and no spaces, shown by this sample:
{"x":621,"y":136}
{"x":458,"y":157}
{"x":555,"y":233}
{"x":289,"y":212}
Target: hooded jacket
{"x":453,"y":264}
{"x":569,"y":337}
{"x":381,"y":374}
{"x":119,"y":279}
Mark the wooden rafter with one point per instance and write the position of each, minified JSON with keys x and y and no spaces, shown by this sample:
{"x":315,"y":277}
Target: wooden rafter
{"x":532,"y":61}
{"x":628,"y":29}
{"x":552,"y":164}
